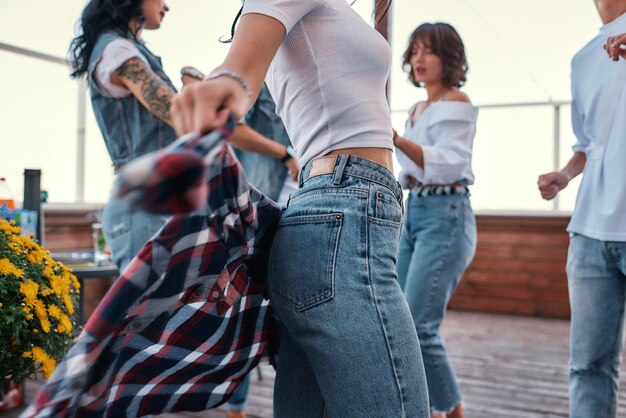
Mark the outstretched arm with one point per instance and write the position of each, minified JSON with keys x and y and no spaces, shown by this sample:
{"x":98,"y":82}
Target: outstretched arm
{"x":206,"y":105}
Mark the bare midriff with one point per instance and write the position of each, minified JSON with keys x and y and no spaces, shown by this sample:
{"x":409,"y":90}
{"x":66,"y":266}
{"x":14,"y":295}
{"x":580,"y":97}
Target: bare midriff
{"x":381,"y":156}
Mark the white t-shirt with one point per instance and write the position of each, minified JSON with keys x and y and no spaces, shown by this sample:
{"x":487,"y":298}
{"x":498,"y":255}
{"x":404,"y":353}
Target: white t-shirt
{"x":445,"y":131}
{"x":115,"y":54}
{"x":328,"y":77}
{"x":600,"y":211}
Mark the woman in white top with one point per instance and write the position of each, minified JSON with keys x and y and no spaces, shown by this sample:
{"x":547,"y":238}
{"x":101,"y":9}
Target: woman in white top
{"x":439,"y":235}
{"x":348,"y":346}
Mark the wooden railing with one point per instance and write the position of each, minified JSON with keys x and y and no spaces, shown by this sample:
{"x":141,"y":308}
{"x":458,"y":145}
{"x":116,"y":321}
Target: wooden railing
{"x":519,"y":267}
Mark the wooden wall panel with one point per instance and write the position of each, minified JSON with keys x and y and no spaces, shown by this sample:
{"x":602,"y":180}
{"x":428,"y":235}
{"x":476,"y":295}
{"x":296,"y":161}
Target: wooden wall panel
{"x":519,"y":267}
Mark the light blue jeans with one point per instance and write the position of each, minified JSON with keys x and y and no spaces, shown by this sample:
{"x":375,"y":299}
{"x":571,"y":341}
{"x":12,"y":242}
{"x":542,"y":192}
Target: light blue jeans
{"x":438,"y":243}
{"x":596,"y":273}
{"x":239,"y":400}
{"x":126,"y":231}
{"x":348,"y":347}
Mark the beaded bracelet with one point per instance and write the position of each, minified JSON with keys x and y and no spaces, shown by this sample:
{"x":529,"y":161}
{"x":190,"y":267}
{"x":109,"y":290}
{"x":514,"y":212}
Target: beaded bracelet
{"x":235,"y":76}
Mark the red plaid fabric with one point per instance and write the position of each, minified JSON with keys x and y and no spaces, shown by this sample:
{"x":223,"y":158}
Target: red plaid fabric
{"x":187,"y":320}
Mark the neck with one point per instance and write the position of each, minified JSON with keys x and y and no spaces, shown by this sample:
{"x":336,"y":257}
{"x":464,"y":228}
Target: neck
{"x":135,"y":27}
{"x":610,"y":10}
{"x":435,"y":91}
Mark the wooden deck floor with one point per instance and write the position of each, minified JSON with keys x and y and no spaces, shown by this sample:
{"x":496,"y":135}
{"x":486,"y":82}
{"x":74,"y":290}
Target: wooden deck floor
{"x":508,"y":367}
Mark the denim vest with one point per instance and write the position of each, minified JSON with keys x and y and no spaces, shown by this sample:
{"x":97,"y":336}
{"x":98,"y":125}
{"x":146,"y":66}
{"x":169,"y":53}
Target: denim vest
{"x":128,"y":128}
{"x":267,"y":174}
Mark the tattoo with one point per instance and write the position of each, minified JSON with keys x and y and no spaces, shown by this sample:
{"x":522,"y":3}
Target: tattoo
{"x":155,"y":92}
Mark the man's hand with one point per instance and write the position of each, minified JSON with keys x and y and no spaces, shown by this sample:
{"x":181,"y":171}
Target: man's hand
{"x":615,"y":46}
{"x":551,"y":184}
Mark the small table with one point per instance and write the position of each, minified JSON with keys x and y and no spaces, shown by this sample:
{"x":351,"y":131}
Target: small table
{"x":82,"y":265}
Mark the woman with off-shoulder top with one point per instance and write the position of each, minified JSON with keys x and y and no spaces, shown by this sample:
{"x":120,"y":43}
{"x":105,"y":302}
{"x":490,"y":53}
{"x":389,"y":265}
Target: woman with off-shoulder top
{"x":439,"y":235}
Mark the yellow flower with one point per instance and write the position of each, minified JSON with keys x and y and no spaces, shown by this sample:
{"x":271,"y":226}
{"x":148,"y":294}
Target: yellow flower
{"x":6,"y":267}
{"x":67,"y":300}
{"x":47,"y":271}
{"x":9,"y":228}
{"x":29,"y":316}
{"x":48,"y":367}
{"x":0,"y":305}
{"x":54,"y":311}
{"x":45,"y":291}
{"x":65,"y":324}
{"x":48,"y":364}
{"x":35,"y":257}
{"x":42,"y":314}
{"x":29,"y":290}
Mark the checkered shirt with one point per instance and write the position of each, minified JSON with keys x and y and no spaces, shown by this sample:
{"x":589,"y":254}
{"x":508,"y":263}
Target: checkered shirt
{"x":188,"y":318}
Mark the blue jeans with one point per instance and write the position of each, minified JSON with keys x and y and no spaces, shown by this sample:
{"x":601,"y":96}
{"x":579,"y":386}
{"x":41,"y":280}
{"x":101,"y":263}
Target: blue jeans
{"x":596,"y":273}
{"x":239,"y":400}
{"x":348,"y":348}
{"x":126,"y":231}
{"x":438,"y":243}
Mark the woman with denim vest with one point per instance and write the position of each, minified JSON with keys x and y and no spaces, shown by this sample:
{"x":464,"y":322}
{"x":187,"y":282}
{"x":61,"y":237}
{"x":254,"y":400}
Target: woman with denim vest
{"x":439,"y":235}
{"x":131,"y":97}
{"x":348,"y":347}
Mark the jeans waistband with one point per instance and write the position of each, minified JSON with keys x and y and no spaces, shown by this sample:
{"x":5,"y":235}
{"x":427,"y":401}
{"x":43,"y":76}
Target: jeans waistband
{"x":346,"y":164}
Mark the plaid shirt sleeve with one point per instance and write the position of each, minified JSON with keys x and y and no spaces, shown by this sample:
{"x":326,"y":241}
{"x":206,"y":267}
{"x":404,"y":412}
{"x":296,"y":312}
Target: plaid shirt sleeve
{"x":188,"y":318}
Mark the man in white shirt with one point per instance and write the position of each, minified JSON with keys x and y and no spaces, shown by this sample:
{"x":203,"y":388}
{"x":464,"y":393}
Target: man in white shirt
{"x":596,"y":264}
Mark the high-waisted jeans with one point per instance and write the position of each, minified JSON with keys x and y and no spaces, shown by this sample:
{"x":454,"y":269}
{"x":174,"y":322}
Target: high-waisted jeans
{"x":596,"y":274}
{"x":438,"y":243}
{"x":348,"y":348}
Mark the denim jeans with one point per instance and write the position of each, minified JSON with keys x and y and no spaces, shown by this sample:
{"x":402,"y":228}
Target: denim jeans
{"x":437,"y":244}
{"x":126,"y":230}
{"x":348,"y":348}
{"x":239,"y":400}
{"x":596,"y":273}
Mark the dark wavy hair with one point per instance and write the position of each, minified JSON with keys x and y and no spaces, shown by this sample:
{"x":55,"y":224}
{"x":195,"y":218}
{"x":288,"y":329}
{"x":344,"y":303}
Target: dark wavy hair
{"x":445,"y":42}
{"x":99,"y":16}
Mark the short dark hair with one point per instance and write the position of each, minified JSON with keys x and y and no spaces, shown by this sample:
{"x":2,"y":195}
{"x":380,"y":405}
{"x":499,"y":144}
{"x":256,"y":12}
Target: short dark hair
{"x":445,"y":42}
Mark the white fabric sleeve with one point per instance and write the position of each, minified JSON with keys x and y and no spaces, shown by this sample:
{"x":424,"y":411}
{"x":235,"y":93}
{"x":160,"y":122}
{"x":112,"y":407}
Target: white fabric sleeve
{"x":287,"y":12}
{"x":582,"y":141}
{"x":114,"y":55}
{"x":445,"y":161}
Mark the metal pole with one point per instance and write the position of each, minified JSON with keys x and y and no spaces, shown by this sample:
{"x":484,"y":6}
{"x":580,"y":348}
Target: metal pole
{"x":556,"y":164}
{"x":80,"y":141}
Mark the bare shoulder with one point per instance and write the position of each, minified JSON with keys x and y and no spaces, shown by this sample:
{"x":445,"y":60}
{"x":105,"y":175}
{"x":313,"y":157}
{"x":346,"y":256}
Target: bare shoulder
{"x":456,"y":96}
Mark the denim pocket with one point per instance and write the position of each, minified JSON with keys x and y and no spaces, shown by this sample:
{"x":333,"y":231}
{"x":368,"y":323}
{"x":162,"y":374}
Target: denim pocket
{"x":387,"y":208}
{"x":302,"y":260}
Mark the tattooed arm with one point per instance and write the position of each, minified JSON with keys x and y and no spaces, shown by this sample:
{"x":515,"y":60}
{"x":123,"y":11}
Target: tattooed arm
{"x":147,"y":87}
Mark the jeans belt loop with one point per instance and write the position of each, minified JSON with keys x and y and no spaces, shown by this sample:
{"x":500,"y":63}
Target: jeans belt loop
{"x":301,"y":178}
{"x":343,"y":160}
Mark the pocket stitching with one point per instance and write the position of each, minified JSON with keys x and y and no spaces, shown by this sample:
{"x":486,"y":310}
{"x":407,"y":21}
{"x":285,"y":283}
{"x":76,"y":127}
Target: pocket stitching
{"x":330,"y":269}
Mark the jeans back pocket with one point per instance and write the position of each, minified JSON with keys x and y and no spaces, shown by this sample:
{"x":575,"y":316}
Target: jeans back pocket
{"x":302,"y":260}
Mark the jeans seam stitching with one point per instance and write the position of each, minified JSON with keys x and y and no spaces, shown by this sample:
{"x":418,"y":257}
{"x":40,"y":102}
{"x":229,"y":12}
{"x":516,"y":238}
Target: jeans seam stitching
{"x":382,"y":325}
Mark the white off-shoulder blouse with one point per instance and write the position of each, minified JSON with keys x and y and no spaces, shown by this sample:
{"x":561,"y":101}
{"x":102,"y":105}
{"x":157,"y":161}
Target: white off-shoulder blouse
{"x":445,"y":131}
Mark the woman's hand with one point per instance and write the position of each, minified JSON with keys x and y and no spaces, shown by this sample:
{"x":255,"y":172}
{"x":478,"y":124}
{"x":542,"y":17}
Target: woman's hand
{"x":395,"y":137}
{"x":294,"y":168}
{"x":203,"y":106}
{"x":615,"y":47}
